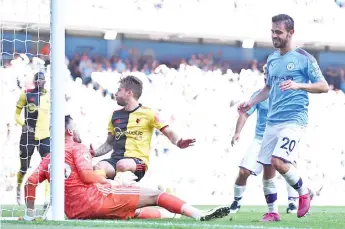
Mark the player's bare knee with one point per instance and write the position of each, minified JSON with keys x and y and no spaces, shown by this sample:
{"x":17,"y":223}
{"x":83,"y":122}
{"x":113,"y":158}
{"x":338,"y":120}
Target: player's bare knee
{"x":125,"y":165}
{"x":154,"y":197}
{"x":148,"y":197}
{"x":276,"y":162}
{"x":150,"y":193}
{"x":280,"y":165}
{"x":244,"y":173}
{"x":269,"y":172}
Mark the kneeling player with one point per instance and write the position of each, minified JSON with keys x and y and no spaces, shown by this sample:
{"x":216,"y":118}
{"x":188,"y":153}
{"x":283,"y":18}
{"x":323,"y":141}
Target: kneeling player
{"x":129,"y":133}
{"x":90,"y":196}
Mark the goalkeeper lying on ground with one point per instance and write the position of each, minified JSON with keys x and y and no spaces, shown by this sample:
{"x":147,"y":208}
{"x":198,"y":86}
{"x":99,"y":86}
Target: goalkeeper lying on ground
{"x":90,"y":196}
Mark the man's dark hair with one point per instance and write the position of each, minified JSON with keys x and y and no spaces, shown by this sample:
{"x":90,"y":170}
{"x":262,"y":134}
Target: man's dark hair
{"x":39,"y":75}
{"x":132,"y":83}
{"x":68,"y":120}
{"x":286,"y":19}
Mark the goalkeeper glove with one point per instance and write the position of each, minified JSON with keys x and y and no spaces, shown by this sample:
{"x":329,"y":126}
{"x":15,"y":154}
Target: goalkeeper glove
{"x":30,"y":214}
{"x":124,"y":178}
{"x":182,"y":144}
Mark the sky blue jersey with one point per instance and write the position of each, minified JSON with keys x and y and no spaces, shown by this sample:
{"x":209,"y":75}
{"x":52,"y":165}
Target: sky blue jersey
{"x":261,"y":118}
{"x":290,"y":106}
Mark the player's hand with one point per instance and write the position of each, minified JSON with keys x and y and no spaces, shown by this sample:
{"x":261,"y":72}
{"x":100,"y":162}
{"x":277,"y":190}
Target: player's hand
{"x":243,"y":107}
{"x":92,"y":151}
{"x":182,"y":144}
{"x":124,"y":178}
{"x":234,"y":139}
{"x":289,"y":85}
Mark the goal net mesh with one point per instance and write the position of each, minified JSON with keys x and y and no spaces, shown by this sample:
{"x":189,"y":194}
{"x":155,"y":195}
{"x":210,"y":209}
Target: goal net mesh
{"x":25,"y":49}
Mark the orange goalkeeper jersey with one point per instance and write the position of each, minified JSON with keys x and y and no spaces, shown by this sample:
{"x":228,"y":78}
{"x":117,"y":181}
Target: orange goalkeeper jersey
{"x":133,"y":132}
{"x":81,"y":200}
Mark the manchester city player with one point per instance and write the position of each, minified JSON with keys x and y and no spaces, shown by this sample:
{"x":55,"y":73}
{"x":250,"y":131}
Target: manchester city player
{"x":249,"y":165}
{"x":289,"y":72}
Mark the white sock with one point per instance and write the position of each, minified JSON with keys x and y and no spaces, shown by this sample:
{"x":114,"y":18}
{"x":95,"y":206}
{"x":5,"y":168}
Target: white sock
{"x":191,"y":211}
{"x":293,"y":179}
{"x":238,"y":193}
{"x":270,"y":192}
{"x":292,"y":194}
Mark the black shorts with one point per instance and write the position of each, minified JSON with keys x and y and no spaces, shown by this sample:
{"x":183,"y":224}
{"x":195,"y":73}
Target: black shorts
{"x":141,"y":166}
{"x":27,"y":146}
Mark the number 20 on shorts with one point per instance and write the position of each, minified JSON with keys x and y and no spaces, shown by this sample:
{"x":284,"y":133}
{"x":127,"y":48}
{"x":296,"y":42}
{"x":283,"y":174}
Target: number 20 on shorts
{"x":288,"y":145}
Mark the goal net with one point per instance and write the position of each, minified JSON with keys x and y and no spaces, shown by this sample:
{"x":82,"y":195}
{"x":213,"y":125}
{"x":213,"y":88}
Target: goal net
{"x":25,"y":50}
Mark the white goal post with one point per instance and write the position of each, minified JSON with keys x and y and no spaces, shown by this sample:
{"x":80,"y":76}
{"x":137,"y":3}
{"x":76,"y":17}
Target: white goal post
{"x":57,"y":34}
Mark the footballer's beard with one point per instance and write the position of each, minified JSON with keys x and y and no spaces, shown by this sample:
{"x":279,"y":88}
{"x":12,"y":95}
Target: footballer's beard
{"x":121,"y":102}
{"x":279,"y":43}
{"x":77,"y":138}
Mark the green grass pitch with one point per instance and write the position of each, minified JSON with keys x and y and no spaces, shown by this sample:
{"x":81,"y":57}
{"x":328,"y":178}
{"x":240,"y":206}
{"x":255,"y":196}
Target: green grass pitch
{"x":247,"y":218}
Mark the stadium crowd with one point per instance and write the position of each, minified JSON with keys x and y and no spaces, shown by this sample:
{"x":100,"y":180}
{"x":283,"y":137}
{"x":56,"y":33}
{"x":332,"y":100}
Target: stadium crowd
{"x":127,"y":60}
{"x":198,"y":97}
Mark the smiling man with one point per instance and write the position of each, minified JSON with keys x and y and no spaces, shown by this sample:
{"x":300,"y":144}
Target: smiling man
{"x":289,"y":71}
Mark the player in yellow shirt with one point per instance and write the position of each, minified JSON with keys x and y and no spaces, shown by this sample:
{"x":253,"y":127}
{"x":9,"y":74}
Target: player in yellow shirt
{"x":35,"y":127}
{"x":129,"y":133}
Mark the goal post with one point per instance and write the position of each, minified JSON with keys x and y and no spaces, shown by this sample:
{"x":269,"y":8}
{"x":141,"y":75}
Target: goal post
{"x":57,"y":35}
{"x":32,"y":39}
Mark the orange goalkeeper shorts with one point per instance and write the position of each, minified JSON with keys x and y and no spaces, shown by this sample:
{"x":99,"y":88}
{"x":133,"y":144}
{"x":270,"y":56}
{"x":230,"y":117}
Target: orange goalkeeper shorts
{"x":120,"y":203}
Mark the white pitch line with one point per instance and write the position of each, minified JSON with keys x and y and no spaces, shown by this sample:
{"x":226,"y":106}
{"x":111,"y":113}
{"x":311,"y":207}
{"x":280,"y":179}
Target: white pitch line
{"x":186,"y":225}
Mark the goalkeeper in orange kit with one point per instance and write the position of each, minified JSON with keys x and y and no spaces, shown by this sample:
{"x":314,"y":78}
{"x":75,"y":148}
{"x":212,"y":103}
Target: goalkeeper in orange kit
{"x":90,"y":196}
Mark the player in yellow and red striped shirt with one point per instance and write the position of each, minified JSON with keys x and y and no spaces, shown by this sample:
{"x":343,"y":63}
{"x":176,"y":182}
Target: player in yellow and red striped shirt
{"x":130,"y":131}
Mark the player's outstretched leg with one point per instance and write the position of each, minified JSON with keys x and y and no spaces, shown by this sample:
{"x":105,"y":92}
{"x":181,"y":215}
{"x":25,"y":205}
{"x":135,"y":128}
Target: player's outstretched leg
{"x":292,"y":197}
{"x":291,"y":176}
{"x":270,"y":191}
{"x":239,"y":189}
{"x":154,"y":213}
{"x":150,"y":197}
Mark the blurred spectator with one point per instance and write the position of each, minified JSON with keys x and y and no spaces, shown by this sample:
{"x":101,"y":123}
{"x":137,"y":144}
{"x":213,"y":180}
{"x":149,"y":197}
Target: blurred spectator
{"x":120,"y":66}
{"x":333,"y":78}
